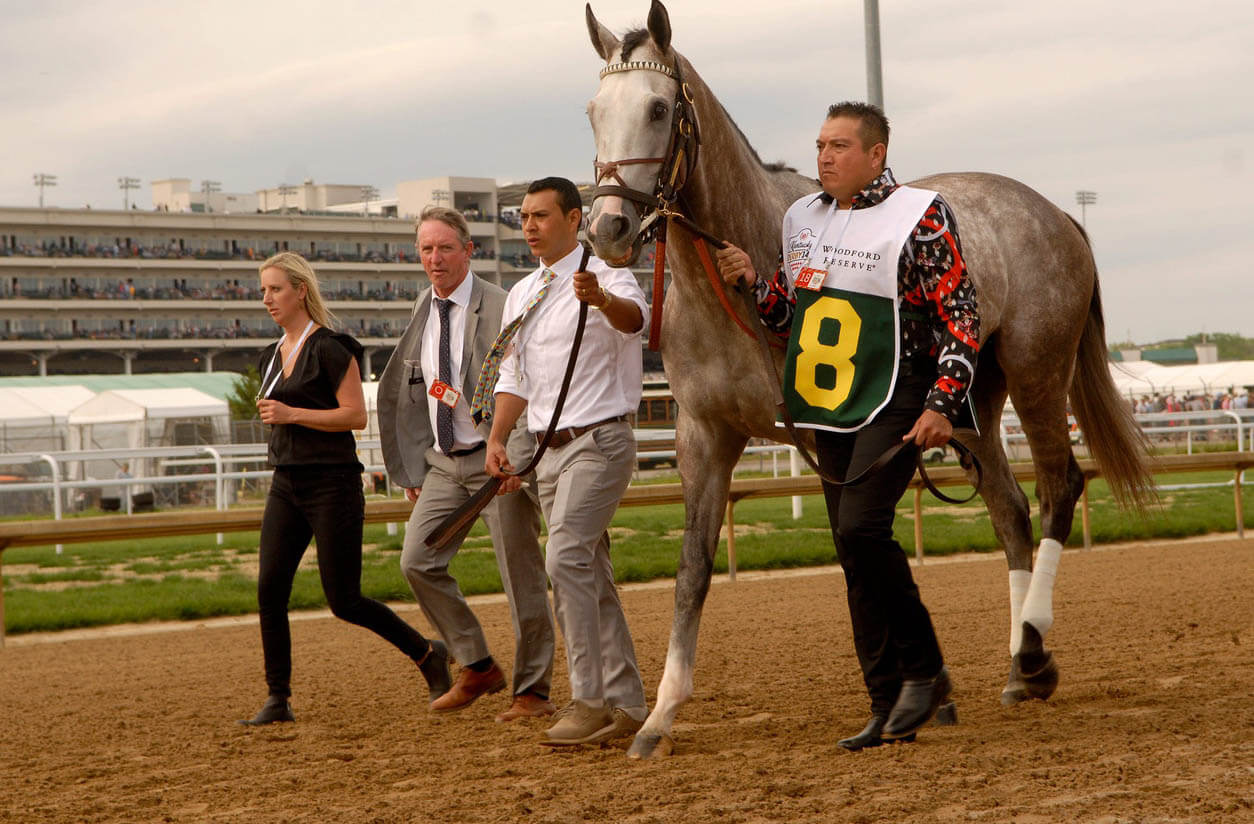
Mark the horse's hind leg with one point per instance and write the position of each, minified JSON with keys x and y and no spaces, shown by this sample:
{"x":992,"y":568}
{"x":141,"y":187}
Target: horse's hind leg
{"x":1007,"y":505}
{"x":707,"y":455}
{"x":1059,"y":484}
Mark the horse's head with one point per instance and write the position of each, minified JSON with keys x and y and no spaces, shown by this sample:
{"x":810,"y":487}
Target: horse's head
{"x":645,"y":130}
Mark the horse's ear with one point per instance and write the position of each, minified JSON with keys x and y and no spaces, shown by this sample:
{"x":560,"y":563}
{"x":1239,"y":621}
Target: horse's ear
{"x":603,"y":40}
{"x":660,"y":26}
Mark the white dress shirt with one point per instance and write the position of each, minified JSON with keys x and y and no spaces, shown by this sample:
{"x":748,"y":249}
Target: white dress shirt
{"x":464,"y":433}
{"x":607,"y":378}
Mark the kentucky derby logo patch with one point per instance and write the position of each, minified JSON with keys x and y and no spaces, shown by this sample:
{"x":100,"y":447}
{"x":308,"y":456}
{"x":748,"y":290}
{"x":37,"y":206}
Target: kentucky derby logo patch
{"x":799,"y":249}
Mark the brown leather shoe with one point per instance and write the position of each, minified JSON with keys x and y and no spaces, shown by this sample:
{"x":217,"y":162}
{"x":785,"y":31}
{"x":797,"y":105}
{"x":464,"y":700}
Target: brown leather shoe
{"x":527,"y":705}
{"x":469,"y":686}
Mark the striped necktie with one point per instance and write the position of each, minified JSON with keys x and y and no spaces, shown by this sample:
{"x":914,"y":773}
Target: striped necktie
{"x":480,"y":405}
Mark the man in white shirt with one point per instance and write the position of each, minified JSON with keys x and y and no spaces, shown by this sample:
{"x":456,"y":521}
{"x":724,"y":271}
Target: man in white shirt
{"x":590,"y":460}
{"x":433,"y":449}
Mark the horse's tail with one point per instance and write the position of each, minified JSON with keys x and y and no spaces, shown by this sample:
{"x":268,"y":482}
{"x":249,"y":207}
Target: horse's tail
{"x":1110,"y":431}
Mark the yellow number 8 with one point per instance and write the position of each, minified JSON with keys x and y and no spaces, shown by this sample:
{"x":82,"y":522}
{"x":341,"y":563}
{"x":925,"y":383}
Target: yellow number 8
{"x":839,"y":355}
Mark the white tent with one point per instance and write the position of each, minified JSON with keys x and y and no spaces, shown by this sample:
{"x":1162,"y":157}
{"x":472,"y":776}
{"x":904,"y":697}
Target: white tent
{"x":33,"y":418}
{"x":1137,"y":378}
{"x":134,"y":418}
{"x":371,"y":390}
{"x":148,"y":416}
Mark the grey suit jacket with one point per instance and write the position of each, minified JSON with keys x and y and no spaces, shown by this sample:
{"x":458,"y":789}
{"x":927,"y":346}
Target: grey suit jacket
{"x":404,"y":421}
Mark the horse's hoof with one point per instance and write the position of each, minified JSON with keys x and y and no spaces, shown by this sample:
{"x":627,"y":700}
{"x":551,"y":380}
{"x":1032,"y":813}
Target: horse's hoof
{"x":946,"y":715}
{"x":1042,"y":683}
{"x":1014,"y":695}
{"x":1014,"y":692}
{"x":650,"y":747}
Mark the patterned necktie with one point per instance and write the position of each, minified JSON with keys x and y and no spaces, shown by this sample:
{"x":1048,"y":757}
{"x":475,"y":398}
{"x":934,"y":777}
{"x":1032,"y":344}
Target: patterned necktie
{"x":480,"y":407}
{"x":443,"y":412}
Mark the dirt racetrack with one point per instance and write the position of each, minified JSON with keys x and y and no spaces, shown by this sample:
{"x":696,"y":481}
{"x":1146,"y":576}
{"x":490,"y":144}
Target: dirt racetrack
{"x":1153,"y":720}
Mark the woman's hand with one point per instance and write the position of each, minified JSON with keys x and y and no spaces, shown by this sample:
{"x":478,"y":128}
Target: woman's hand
{"x":275,"y":412}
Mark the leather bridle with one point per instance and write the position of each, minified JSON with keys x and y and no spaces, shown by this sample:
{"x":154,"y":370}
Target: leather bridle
{"x":675,"y":165}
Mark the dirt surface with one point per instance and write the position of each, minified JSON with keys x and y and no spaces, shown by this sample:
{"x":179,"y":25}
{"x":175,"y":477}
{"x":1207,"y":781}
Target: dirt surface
{"x":1153,"y":720}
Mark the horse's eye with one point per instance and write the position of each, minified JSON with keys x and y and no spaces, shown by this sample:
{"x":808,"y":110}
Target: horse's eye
{"x":659,"y":111}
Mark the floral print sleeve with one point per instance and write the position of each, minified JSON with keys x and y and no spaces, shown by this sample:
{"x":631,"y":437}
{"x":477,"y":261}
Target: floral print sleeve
{"x":939,"y":317}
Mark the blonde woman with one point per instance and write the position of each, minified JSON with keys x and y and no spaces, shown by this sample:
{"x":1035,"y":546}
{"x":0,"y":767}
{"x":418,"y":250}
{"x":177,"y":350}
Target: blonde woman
{"x":311,"y":395}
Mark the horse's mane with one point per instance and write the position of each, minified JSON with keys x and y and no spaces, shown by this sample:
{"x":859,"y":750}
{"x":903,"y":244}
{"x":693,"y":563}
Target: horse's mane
{"x":636,"y":37}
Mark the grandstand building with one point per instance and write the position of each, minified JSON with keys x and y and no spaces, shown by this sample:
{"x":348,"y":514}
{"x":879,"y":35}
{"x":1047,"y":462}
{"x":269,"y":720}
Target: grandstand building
{"x":175,"y":289}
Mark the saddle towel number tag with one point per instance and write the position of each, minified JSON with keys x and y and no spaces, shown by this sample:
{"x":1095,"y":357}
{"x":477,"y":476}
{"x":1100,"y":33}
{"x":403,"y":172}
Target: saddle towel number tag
{"x":810,"y":278}
{"x":841,"y":364}
{"x":444,"y":393}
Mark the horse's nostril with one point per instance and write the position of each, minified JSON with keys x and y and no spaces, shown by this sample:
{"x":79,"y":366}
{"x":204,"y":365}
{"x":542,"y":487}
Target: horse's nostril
{"x":610,"y":229}
{"x":618,"y":227}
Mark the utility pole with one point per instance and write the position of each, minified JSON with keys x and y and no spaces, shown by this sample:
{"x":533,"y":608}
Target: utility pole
{"x":126,"y":184}
{"x":874,"y":77}
{"x":208,"y":188}
{"x":43,"y":181}
{"x":368,"y":193}
{"x":1085,"y":199}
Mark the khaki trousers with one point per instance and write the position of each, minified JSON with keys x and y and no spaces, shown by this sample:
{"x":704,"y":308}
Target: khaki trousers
{"x":513,"y":521}
{"x":580,"y":487}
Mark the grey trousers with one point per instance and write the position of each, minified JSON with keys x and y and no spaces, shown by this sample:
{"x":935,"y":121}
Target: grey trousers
{"x":514,"y":524}
{"x":580,"y":487}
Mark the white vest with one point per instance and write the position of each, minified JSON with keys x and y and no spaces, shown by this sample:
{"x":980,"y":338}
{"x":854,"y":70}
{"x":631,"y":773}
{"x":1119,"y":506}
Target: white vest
{"x":843,"y":351}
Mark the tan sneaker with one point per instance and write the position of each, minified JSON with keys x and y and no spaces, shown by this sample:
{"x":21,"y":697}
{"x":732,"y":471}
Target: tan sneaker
{"x":577,"y":724}
{"x":622,"y":725}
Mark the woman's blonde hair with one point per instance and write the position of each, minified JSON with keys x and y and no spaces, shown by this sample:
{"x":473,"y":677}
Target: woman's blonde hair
{"x":300,"y":273}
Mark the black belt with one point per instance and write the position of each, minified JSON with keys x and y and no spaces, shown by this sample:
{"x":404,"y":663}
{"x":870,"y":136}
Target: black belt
{"x":461,"y":453}
{"x":561,"y":437}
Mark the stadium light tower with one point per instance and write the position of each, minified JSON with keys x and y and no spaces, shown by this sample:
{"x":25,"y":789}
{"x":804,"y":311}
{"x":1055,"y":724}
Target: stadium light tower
{"x":207,"y":188}
{"x":126,"y":184}
{"x":874,"y":77}
{"x":43,"y":181}
{"x":368,"y":193}
{"x":1085,"y":199}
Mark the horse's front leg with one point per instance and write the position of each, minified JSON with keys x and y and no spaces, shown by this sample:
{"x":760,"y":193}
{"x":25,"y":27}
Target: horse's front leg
{"x":707,"y":455}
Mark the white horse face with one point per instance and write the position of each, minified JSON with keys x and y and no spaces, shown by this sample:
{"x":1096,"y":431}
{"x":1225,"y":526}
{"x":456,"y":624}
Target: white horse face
{"x":631,"y":119}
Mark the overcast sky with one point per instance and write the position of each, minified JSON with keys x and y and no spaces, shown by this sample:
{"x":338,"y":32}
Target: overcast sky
{"x":1147,"y":103}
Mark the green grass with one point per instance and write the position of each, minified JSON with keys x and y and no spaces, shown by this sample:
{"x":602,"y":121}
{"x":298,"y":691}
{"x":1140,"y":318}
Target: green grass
{"x":84,"y":574}
{"x":647,"y":542}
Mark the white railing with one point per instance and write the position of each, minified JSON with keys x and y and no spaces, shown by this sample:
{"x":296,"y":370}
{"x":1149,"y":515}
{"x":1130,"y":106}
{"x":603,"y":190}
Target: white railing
{"x":1163,"y":427}
{"x":223,"y":460}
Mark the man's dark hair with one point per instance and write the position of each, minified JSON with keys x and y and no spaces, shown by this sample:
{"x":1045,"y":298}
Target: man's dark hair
{"x":567,"y":193}
{"x":872,"y":124}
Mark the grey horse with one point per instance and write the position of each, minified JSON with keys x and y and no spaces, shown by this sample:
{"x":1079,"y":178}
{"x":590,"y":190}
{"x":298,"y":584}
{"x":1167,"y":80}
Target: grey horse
{"x":1042,"y":341}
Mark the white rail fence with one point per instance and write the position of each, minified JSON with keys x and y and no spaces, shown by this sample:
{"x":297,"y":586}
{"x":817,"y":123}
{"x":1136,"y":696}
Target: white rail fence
{"x":214,"y":472}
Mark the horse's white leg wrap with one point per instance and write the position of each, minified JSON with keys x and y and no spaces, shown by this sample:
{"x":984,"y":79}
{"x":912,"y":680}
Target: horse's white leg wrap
{"x":1038,"y":607}
{"x":1019,"y":581}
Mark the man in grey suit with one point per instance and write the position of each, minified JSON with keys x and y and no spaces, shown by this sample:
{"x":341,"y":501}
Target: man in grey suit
{"x":433,"y":449}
